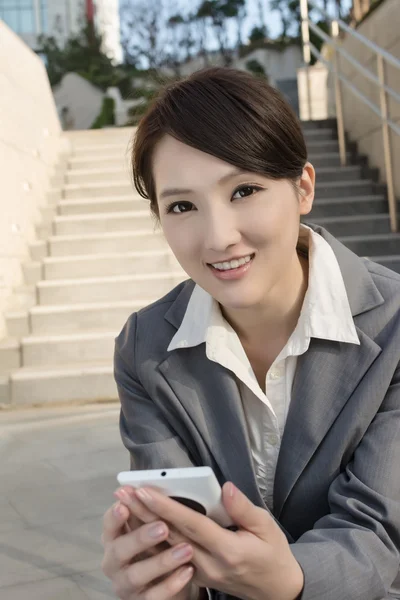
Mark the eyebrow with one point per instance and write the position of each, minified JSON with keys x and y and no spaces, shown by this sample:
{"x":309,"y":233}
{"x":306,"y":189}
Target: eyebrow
{"x":176,"y":191}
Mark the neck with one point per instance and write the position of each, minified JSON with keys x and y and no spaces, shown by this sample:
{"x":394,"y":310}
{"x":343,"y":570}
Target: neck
{"x":277,"y":317}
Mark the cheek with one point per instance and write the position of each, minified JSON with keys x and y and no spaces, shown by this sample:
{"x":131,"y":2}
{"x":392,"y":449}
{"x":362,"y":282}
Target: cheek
{"x":182,"y":240}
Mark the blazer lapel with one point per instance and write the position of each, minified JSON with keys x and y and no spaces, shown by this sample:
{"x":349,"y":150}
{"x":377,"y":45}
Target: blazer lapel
{"x":327,"y":375}
{"x":210,"y":395}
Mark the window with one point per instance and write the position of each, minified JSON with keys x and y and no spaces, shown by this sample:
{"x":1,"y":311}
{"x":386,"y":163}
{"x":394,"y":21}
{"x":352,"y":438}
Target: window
{"x":19,"y":15}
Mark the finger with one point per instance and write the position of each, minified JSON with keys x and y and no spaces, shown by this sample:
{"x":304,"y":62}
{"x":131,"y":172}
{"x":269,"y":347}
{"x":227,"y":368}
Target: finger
{"x":137,"y":579}
{"x":246,"y":515}
{"x":148,"y":571}
{"x":114,"y":522}
{"x":140,"y":514}
{"x":121,"y":551}
{"x":191,"y":524}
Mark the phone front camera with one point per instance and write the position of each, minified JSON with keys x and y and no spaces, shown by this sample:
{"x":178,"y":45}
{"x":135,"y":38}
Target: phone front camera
{"x":163,"y":474}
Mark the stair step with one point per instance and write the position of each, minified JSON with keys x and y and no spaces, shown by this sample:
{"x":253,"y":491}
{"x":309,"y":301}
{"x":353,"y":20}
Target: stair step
{"x":355,"y":224}
{"x":72,"y":382}
{"x":118,"y":263}
{"x":123,"y":241}
{"x":317,"y":146}
{"x":100,"y":223}
{"x":84,"y":347}
{"x":101,"y":205}
{"x":390,"y":262}
{"x":337,"y":173}
{"x":90,"y":190}
{"x":83,"y":176}
{"x":337,"y":189}
{"x":116,"y":160}
{"x":75,"y":318}
{"x":325,"y":133}
{"x":121,"y":135}
{"x":373,"y":245}
{"x":108,"y":289}
{"x":353,"y":205}
{"x":327,"y":159}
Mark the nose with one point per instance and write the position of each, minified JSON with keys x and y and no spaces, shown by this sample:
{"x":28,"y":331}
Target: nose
{"x":220,"y":230}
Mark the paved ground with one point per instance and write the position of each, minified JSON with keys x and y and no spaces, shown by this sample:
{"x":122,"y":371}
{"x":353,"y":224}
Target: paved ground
{"x":57,"y":476}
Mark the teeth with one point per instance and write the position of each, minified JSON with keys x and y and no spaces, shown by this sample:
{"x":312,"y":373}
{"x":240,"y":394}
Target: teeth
{"x":233,"y":264}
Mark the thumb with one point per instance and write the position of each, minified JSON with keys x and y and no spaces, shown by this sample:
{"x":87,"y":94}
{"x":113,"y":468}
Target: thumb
{"x":245,"y":514}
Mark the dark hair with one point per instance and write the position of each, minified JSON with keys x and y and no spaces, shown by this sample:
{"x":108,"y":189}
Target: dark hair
{"x":225,"y":112}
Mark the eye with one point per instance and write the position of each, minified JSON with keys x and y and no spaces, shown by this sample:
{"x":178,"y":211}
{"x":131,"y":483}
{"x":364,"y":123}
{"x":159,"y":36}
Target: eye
{"x":246,"y":190}
{"x":179,"y":207}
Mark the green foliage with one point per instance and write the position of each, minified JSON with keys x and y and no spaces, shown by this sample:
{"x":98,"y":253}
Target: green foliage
{"x":256,"y":68}
{"x":106,"y":116}
{"x":83,"y":54}
{"x":258,"y":34}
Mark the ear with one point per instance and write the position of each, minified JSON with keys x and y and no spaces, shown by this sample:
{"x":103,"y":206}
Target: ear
{"x":306,"y":185}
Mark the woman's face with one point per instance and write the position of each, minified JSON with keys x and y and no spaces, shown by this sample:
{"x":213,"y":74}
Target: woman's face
{"x":212,"y":213}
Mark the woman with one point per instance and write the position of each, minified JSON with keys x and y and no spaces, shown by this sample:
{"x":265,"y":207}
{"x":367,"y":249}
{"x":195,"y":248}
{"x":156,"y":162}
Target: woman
{"x":276,"y":364}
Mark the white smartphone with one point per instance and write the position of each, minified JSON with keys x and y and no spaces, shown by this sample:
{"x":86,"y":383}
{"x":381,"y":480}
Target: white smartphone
{"x":195,"y":487}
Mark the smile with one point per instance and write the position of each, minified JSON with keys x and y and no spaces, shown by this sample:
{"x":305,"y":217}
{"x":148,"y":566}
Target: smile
{"x":232,"y":270}
{"x":232,"y":264}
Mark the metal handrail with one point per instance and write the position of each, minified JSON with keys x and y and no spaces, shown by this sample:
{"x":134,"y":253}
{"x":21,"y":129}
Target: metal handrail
{"x":379,"y":80}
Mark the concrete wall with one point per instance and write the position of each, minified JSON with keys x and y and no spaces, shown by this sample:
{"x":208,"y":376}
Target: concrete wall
{"x":277,"y":64}
{"x":383,"y":28}
{"x":30,"y":146}
{"x":82,"y":99}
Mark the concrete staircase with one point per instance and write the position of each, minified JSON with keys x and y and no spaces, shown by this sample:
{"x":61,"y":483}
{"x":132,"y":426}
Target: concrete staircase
{"x":101,"y":257}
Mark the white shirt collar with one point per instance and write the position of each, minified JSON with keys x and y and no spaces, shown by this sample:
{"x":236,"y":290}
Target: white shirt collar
{"x":326,"y":312}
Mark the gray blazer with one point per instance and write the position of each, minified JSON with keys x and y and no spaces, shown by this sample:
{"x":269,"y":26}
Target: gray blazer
{"x":337,"y":483}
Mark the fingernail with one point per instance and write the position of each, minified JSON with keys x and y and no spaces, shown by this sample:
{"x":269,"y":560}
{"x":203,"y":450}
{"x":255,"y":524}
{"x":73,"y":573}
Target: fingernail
{"x":231,"y":489}
{"x":117,"y":510}
{"x":157,"y":530}
{"x":144,"y":496}
{"x":181,"y":552}
{"x":123,"y":495}
{"x":186,"y":573}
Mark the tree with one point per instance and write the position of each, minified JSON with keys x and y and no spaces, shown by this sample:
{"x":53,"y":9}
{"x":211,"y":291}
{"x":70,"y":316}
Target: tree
{"x":143,"y":33}
{"x":281,"y":6}
{"x":218,"y":13}
{"x":82,"y":54}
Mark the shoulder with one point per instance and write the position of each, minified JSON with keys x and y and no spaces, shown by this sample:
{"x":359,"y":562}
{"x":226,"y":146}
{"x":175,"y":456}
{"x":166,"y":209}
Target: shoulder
{"x":148,"y":330}
{"x":386,"y":280}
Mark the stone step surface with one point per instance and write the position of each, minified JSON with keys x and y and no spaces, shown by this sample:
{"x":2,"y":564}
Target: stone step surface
{"x":107,"y":289}
{"x":86,"y":206}
{"x":352,"y":206}
{"x":59,"y":350}
{"x":103,"y":222}
{"x":355,"y":225}
{"x":71,"y":382}
{"x":78,"y":318}
{"x":118,"y":263}
{"x":123,"y":241}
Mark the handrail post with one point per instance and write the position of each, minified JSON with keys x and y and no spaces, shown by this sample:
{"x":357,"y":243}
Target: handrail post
{"x":387,"y":146}
{"x":305,"y":34}
{"x":338,"y":96}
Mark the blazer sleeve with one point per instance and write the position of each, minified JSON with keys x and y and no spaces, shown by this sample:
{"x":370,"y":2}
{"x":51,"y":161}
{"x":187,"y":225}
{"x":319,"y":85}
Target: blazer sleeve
{"x":151,"y":442}
{"x":353,"y":553}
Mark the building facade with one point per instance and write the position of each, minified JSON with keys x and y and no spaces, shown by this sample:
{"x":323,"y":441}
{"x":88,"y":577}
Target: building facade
{"x":61,"y":19}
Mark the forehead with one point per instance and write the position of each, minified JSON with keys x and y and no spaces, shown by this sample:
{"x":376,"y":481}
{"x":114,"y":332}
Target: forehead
{"x":175,"y":162}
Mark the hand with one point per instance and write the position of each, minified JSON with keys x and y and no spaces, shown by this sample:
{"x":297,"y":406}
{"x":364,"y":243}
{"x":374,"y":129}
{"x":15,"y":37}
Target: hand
{"x":135,"y":561}
{"x":253,"y":563}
